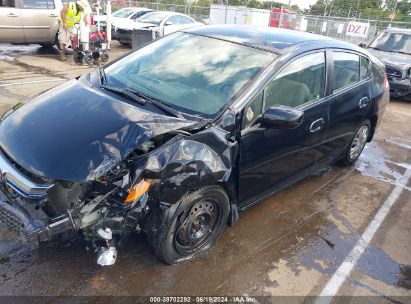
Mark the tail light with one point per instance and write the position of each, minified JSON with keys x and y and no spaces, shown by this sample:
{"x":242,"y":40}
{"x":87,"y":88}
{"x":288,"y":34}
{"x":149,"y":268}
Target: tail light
{"x":386,"y":83}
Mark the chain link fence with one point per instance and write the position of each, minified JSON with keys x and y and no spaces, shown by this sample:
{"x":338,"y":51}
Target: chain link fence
{"x":335,"y":27}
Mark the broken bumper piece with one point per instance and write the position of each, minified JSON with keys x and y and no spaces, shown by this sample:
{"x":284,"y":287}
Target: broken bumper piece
{"x":31,"y":231}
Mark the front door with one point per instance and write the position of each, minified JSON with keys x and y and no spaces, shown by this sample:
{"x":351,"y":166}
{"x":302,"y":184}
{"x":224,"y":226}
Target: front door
{"x":271,"y":158}
{"x":11,"y":28}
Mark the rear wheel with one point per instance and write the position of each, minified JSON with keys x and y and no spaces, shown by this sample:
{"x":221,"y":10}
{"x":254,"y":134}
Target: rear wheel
{"x":356,"y":145}
{"x":47,"y":44}
{"x":194,"y":227}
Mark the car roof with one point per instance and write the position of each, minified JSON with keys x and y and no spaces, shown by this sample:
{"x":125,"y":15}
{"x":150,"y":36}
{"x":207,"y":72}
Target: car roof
{"x":272,"y":39}
{"x":137,"y":9}
{"x":397,"y":30}
{"x":167,"y":13}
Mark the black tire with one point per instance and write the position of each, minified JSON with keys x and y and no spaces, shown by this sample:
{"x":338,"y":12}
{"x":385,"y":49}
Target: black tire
{"x":357,"y":144}
{"x":96,"y":55}
{"x":47,"y":44}
{"x":199,"y":217}
{"x":88,"y":58}
{"x":104,"y":57}
{"x":124,"y":43}
{"x":78,"y":57}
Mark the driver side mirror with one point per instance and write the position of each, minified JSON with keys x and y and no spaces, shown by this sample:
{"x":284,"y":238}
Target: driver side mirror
{"x":168,"y":23}
{"x":363,"y":45}
{"x":282,"y":117}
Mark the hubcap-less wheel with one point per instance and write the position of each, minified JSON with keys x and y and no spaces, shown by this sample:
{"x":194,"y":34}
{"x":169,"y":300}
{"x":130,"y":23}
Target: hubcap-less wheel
{"x":198,"y":228}
{"x":359,"y":142}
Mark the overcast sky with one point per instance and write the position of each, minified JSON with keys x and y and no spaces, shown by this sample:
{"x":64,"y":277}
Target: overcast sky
{"x":300,"y":3}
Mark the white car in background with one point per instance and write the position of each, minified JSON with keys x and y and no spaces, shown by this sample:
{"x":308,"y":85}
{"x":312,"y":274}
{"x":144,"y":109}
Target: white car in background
{"x":124,"y":15}
{"x":152,"y":26}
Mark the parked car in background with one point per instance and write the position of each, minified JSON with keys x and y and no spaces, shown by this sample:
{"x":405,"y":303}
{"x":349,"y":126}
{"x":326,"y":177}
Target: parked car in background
{"x":121,"y":16}
{"x":152,"y":25}
{"x":177,"y":137}
{"x":29,"y":21}
{"x":393,"y":47}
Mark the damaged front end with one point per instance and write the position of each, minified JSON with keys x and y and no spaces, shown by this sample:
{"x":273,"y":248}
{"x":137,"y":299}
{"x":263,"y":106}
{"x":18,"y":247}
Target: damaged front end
{"x":399,"y":78}
{"x":115,"y":200}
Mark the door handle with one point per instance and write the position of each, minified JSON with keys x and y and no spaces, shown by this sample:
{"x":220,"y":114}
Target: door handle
{"x":53,"y":15}
{"x":12,"y":15}
{"x":363,"y":103}
{"x":317,"y":125}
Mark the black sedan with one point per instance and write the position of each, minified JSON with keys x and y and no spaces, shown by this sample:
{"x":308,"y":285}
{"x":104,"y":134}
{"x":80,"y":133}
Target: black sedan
{"x":177,"y":137}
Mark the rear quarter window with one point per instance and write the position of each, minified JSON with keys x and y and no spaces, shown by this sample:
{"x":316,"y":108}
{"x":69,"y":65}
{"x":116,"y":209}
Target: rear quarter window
{"x":364,"y":65}
{"x":378,"y":72}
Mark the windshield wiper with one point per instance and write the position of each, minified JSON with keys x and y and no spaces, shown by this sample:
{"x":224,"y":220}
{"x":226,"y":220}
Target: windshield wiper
{"x":103,"y":77}
{"x":139,"y":97}
{"x":375,"y":48}
{"x":160,"y":104}
{"x":125,"y":92}
{"x":400,"y":52}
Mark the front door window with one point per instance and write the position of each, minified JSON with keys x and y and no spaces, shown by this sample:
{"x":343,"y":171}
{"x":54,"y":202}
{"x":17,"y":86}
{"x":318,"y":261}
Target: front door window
{"x":300,"y":82}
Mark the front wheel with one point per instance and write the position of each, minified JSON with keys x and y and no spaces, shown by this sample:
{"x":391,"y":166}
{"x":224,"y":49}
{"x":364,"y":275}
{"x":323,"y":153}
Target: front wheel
{"x":356,"y":145}
{"x":193,"y":227}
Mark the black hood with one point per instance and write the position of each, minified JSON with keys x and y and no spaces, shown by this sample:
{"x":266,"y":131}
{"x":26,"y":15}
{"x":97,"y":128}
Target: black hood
{"x":392,"y":58}
{"x":76,"y":132}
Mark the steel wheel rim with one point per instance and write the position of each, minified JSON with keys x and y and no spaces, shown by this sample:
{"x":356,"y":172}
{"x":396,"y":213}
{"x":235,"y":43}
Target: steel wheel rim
{"x":358,"y":143}
{"x":198,"y":228}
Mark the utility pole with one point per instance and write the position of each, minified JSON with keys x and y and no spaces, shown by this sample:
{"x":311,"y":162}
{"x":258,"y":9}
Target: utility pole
{"x":289,"y":4}
{"x":358,"y":7}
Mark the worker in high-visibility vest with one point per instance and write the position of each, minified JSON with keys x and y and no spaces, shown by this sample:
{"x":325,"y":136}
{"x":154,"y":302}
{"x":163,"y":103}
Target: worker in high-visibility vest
{"x":71,"y":15}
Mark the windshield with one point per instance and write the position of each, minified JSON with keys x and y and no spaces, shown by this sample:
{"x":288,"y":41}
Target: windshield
{"x":123,"y":13}
{"x":393,"y":42}
{"x":154,"y":18}
{"x":193,"y":74}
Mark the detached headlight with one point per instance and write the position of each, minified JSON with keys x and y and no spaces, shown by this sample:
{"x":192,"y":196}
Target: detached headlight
{"x":138,"y":190}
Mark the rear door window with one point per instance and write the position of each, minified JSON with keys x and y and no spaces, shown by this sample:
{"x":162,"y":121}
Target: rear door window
{"x":174,"y":20}
{"x":38,"y":4}
{"x":7,"y":3}
{"x":346,"y":69}
{"x":185,"y":20}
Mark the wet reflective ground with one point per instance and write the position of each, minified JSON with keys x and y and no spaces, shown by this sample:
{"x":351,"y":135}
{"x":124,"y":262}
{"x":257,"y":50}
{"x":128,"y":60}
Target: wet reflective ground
{"x":290,"y":244}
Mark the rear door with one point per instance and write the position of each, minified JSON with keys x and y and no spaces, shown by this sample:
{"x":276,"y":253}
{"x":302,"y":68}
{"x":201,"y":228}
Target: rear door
{"x":349,"y":101}
{"x":11,"y":28}
{"x":40,"y":20}
{"x":272,"y":158}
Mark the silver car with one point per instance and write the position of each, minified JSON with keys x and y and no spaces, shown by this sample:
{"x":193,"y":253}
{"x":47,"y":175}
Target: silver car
{"x":29,"y":21}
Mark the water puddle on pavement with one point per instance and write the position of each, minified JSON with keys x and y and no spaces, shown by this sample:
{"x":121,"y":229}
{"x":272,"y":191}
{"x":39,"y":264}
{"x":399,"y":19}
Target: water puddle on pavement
{"x":375,"y":163}
{"x":10,"y":51}
{"x":335,"y":231}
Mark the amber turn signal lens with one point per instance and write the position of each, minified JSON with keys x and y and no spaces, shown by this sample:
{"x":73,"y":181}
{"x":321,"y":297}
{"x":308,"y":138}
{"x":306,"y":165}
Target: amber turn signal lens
{"x":138,"y":190}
